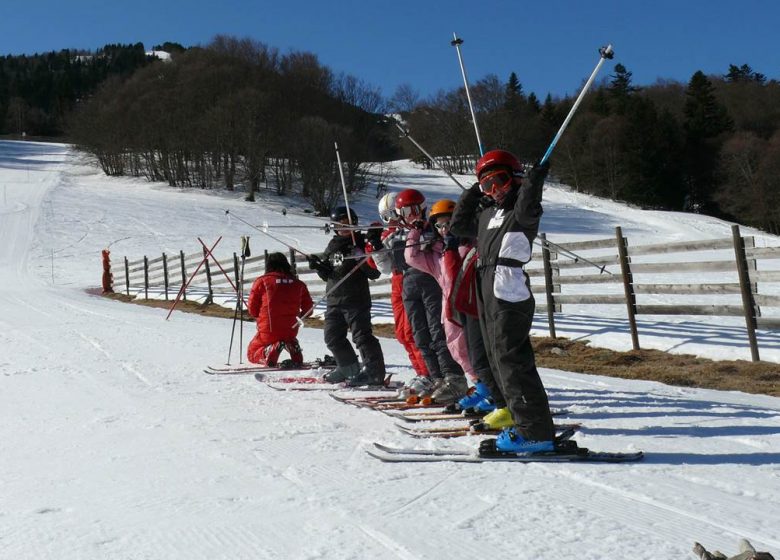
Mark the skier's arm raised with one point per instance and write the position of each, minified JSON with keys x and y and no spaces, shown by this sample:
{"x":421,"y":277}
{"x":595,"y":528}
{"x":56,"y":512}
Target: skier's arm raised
{"x":465,"y":218}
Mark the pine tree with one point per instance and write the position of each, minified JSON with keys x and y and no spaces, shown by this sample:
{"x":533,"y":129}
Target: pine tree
{"x":620,"y":88}
{"x":743,"y":73}
{"x":514,"y":99}
{"x":705,"y":120}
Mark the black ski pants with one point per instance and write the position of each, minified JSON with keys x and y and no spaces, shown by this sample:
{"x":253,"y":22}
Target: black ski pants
{"x":342,"y":318}
{"x":479,"y":358}
{"x":422,"y":301}
{"x":506,"y":328}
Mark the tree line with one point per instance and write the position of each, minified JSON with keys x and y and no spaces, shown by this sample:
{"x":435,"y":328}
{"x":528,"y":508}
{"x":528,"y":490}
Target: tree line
{"x":38,"y":92}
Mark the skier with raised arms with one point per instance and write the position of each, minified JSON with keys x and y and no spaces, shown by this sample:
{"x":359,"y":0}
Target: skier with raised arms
{"x":505,"y":232}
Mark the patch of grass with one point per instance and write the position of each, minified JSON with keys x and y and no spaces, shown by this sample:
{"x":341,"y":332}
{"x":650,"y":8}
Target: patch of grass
{"x":683,"y":370}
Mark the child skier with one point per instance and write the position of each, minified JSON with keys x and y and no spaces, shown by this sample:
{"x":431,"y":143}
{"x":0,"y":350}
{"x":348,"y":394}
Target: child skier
{"x":505,"y":233}
{"x":277,"y":299}
{"x":422,"y":298}
{"x":349,"y":305}
{"x":430,"y":259}
{"x":391,"y":243}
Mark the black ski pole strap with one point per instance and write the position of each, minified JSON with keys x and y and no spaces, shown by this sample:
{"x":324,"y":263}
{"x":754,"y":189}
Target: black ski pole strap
{"x":498,"y":261}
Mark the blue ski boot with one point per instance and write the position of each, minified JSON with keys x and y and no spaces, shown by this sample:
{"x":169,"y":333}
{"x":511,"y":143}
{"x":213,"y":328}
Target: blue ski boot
{"x":475,"y":395}
{"x":510,"y":441}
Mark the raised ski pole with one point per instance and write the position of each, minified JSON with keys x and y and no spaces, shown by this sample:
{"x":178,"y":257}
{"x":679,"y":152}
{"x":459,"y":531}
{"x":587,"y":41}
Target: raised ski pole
{"x":344,"y":189}
{"x":604,"y":53}
{"x":184,"y":287}
{"x":457,"y":42}
{"x":406,"y":134}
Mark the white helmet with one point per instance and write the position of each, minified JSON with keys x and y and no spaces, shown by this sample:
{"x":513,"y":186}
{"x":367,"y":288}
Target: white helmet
{"x":387,"y":207}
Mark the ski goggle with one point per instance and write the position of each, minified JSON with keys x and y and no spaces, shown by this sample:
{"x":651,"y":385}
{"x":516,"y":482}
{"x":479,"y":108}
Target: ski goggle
{"x":413,"y":210}
{"x":491,"y":183}
{"x":442,"y":225}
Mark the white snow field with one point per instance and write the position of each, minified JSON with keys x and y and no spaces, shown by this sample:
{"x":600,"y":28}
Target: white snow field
{"x":115,"y":445}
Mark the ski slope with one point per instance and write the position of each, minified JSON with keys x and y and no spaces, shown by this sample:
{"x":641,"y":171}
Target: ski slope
{"x":114,"y":444}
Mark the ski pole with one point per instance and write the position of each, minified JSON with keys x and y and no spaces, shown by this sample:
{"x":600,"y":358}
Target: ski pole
{"x":604,"y":53}
{"x":573,"y":256}
{"x":406,"y":134}
{"x":384,"y":251}
{"x":267,"y":234}
{"x":344,"y":188}
{"x":457,"y":42}
{"x":239,"y":303}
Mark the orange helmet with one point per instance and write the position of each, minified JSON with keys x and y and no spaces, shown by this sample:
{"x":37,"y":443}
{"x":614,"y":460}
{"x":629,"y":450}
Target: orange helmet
{"x":441,"y":207}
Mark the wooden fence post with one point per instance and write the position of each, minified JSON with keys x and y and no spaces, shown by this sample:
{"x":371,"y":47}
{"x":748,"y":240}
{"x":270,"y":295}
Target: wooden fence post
{"x":210,"y":296}
{"x":548,"y":284}
{"x":165,"y":275}
{"x":127,"y":277}
{"x":748,"y":304}
{"x":292,"y":262}
{"x":183,"y":276}
{"x":146,"y":277}
{"x":628,"y":285}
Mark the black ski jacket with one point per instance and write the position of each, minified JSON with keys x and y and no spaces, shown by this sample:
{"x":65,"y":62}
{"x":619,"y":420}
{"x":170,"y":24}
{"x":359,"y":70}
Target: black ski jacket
{"x":354,"y":290}
{"x":505,"y":233}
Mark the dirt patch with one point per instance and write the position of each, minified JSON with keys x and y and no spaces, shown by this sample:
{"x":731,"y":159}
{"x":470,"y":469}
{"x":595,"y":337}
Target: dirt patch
{"x":651,"y":365}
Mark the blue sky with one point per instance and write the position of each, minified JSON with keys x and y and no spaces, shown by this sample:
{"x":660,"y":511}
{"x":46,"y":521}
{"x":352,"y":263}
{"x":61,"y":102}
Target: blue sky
{"x":552,"y":45}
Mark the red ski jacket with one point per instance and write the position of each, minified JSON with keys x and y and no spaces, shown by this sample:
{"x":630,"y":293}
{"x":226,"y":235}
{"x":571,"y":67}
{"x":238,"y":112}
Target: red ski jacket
{"x":276,"y":300}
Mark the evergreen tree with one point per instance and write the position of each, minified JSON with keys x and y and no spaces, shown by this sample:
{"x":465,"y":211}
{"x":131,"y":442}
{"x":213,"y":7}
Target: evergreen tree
{"x":620,"y":88}
{"x":705,"y":120}
{"x":743,"y":73}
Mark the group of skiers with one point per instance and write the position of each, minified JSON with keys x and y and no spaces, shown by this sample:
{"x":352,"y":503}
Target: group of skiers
{"x":462,"y":303}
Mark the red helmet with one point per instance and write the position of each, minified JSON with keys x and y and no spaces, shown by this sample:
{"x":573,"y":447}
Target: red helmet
{"x":410,"y":205}
{"x":409,"y":197}
{"x":496,"y":158}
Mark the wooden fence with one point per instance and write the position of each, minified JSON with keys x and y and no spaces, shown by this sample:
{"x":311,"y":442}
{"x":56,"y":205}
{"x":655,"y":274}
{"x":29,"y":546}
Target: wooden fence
{"x":716,"y":277}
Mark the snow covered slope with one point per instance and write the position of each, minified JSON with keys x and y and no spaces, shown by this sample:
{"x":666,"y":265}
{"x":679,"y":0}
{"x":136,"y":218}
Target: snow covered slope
{"x":114,"y":444}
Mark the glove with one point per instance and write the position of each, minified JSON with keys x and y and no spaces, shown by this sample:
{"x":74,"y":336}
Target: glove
{"x":319,"y":265}
{"x":451,"y":242}
{"x":418,"y":224}
{"x":374,"y":236}
{"x":539,"y":170}
{"x":475,"y":190}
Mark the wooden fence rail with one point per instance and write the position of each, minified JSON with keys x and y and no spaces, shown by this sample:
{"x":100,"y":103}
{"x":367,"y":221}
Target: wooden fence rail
{"x":716,"y":277}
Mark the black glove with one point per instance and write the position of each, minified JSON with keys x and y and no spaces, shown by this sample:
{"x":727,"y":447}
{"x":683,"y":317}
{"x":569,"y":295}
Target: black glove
{"x":418,"y":224}
{"x":374,"y":236}
{"x":539,"y":170}
{"x":475,"y":190}
{"x":451,"y":242}
{"x":316,"y":263}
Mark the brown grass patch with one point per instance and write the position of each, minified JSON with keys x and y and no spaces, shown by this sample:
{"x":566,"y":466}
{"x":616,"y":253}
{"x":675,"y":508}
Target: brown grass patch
{"x":683,"y":370}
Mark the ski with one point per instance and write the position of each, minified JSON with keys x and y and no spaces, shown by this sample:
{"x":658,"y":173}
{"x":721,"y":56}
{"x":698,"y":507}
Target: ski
{"x":461,"y":431}
{"x":316,"y":383}
{"x":567,"y":452}
{"x":256,"y":368}
{"x":411,"y":416}
{"x":562,"y":437}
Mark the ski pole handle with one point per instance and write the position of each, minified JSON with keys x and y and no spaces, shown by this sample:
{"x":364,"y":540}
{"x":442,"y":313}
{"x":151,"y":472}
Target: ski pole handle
{"x":457,"y":42}
{"x":605,"y":53}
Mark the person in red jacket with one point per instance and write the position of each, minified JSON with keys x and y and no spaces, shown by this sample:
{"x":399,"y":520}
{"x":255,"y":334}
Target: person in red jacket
{"x":276,"y":300}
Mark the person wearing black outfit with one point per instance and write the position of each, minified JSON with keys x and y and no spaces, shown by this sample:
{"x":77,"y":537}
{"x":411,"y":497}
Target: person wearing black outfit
{"x":505,"y":232}
{"x":348,"y":306}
